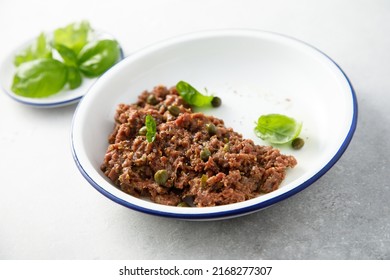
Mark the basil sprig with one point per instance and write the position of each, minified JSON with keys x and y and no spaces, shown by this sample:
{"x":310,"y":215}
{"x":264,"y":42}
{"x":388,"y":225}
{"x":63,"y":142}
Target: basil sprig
{"x":96,"y":57}
{"x":73,"y":36}
{"x":277,"y":128}
{"x":150,"y":124}
{"x":30,"y":79}
{"x":40,"y":74}
{"x":39,"y":49}
{"x":193,"y":96}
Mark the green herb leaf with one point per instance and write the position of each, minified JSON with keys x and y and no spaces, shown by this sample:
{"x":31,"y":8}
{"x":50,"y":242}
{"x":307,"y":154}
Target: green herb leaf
{"x":39,"y":78}
{"x":150,"y":124}
{"x":277,"y":128}
{"x":73,"y":36}
{"x":68,"y":55}
{"x":39,"y":75}
{"x":98,"y":56}
{"x":39,"y":49}
{"x":74,"y":77}
{"x":192,"y":96}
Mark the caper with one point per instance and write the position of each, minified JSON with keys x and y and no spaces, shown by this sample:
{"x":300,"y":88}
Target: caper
{"x":216,"y":101}
{"x":226,"y":147}
{"x":183,"y":204}
{"x":211,"y":128}
{"x":142,"y":130}
{"x":152,"y":100}
{"x":174,"y":110}
{"x":161,"y":177}
{"x":205,"y":154}
{"x":297,"y":143}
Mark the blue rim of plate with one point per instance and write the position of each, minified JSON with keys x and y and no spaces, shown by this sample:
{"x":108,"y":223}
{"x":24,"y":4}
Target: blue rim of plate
{"x":58,"y":103}
{"x":243,"y":210}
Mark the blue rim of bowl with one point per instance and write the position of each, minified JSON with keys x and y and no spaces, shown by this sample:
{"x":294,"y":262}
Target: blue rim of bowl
{"x":59,"y":103}
{"x":248,"y":209}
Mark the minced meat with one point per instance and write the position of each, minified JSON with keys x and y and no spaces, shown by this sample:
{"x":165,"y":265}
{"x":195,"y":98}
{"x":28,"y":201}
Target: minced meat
{"x":231,"y":170}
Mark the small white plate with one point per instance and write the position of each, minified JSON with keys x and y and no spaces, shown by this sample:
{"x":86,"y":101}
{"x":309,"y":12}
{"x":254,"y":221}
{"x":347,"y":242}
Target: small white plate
{"x":62,"y":98}
{"x":254,"y":73}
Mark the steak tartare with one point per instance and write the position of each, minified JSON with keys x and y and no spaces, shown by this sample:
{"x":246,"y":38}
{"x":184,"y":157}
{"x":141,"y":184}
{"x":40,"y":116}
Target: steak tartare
{"x":194,"y":159}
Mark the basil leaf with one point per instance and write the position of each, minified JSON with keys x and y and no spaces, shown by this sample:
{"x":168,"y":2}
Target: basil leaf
{"x":39,"y":49}
{"x":74,"y":77}
{"x":97,"y":57}
{"x":150,"y":124}
{"x":69,"y":56}
{"x":73,"y":36}
{"x":192,"y":96}
{"x":277,"y":128}
{"x":39,"y":78}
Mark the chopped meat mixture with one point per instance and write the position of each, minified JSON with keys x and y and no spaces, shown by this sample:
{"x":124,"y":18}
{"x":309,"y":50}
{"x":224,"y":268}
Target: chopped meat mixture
{"x":199,"y":161}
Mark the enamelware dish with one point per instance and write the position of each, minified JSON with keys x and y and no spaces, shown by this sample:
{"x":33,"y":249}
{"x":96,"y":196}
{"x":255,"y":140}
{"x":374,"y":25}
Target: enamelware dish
{"x":255,"y":73}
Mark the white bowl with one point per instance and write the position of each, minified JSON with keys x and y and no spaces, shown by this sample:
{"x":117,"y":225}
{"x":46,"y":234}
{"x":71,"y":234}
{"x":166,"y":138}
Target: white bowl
{"x":254,"y":73}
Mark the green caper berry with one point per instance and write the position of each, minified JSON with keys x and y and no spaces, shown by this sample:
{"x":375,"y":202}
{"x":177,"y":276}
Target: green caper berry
{"x":142,"y":130}
{"x":174,"y":110}
{"x":161,"y":177}
{"x":216,"y":101}
{"x":205,"y":154}
{"x":297,"y":143}
{"x":226,"y":147}
{"x":183,"y":204}
{"x":211,"y":128}
{"x":152,"y":100}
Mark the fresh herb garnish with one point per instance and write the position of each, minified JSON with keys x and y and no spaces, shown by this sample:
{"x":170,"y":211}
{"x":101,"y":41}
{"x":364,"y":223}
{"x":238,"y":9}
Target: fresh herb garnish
{"x":96,"y":57}
{"x":38,"y":74}
{"x":277,"y":128}
{"x":74,"y":77}
{"x":39,"y":49}
{"x":73,"y":36}
{"x":150,"y":124}
{"x":68,"y":55}
{"x":31,"y":78}
{"x":192,"y":96}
